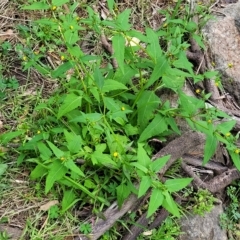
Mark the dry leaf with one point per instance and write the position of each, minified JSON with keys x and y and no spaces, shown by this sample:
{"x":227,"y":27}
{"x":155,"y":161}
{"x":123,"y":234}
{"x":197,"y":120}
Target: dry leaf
{"x":49,"y":204}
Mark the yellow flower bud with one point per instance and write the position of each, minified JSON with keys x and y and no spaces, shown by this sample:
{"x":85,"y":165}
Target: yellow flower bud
{"x":115,"y":154}
{"x":71,"y":27}
{"x":62,"y":58}
{"x":54,"y":8}
{"x":198,"y":91}
{"x":24,"y":58}
{"x":122,"y":108}
{"x":38,"y":132}
{"x":237,"y":151}
{"x":228,"y":134}
{"x":230,"y":65}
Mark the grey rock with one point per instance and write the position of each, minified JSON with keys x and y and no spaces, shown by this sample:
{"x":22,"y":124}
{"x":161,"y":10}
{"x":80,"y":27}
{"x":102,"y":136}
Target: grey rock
{"x":203,"y":228}
{"x":223,"y":38}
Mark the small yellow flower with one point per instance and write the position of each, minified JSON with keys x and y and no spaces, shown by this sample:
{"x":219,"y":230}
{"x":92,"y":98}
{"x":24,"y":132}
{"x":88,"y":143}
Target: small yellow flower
{"x":62,"y":158}
{"x":165,"y":25}
{"x":24,"y":58}
{"x":213,"y":64}
{"x":122,"y":108}
{"x":36,"y":52}
{"x":209,"y":121}
{"x":115,"y":154}
{"x":38,"y":132}
{"x":228,"y":134}
{"x":198,"y":91}
{"x":230,"y":65}
{"x":71,"y":27}
{"x":216,"y":84}
{"x":181,"y":7}
{"x":77,"y":18}
{"x":62,"y":58}
{"x":54,"y":8}
{"x":237,"y":151}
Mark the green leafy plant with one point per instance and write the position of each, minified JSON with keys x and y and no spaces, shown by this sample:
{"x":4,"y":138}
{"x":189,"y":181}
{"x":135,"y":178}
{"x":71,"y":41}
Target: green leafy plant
{"x":93,"y":132}
{"x":4,"y":235}
{"x":229,"y":220}
{"x":169,"y":230}
{"x":204,"y":202}
{"x":85,"y":228}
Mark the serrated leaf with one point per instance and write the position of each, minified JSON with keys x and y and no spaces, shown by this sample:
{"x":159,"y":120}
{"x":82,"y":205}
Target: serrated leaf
{"x":155,"y":127}
{"x":139,"y":166}
{"x":38,"y":172}
{"x":44,"y":151}
{"x":56,"y":172}
{"x":142,"y":156}
{"x":68,"y":199}
{"x":153,"y":48}
{"x":111,"y":104}
{"x":37,"y":6}
{"x":57,"y":152}
{"x":70,"y":103}
{"x":235,"y":159}
{"x":159,"y":163}
{"x":98,"y":77}
{"x":111,"y":85}
{"x":145,"y":184}
{"x":74,"y":142}
{"x":122,"y":20}
{"x":226,"y":127}
{"x":173,"y":82}
{"x":183,"y":63}
{"x":210,"y":147}
{"x":104,"y":159}
{"x":73,"y":167}
{"x":62,"y":69}
{"x":174,"y":185}
{"x":147,"y":104}
{"x":159,"y":70}
{"x":211,"y":74}
{"x":59,"y":2}
{"x":123,"y":192}
{"x":156,"y":201}
{"x":118,"y":42}
{"x":170,"y":205}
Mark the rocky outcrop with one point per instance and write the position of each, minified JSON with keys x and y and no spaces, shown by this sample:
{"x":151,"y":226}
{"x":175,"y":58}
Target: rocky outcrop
{"x":223,"y":38}
{"x":203,"y":228}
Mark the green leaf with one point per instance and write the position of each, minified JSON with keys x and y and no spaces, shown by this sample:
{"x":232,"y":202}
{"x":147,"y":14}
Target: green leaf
{"x":59,"y":2}
{"x":38,"y":172}
{"x":111,"y":104}
{"x":122,"y":20}
{"x":156,"y":201}
{"x":44,"y":151}
{"x":153,"y":49}
{"x":98,"y":77}
{"x":174,"y":185}
{"x":159,"y":163}
{"x":155,"y":127}
{"x":130,"y":130}
{"x":147,"y":104}
{"x":70,"y":164}
{"x":70,"y":103}
{"x":235,"y":159}
{"x":111,"y":85}
{"x":145,"y":184}
{"x":199,"y":40}
{"x":103,"y":159}
{"x":57,"y":152}
{"x":7,"y":137}
{"x":226,"y":127}
{"x":71,"y":37}
{"x":37,"y":6}
{"x":118,"y":42}
{"x":123,"y":192}
{"x":95,"y":93}
{"x":88,"y":183}
{"x":110,"y":4}
{"x":62,"y":69}
{"x":74,"y":142}
{"x":68,"y":200}
{"x":173,"y":82}
{"x":211,"y":74}
{"x":142,"y":156}
{"x":57,"y":172}
{"x":170,"y":205}
{"x":183,"y":63}
{"x":3,"y":168}
{"x":159,"y":70}
{"x":210,"y":147}
{"x":139,"y":166}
